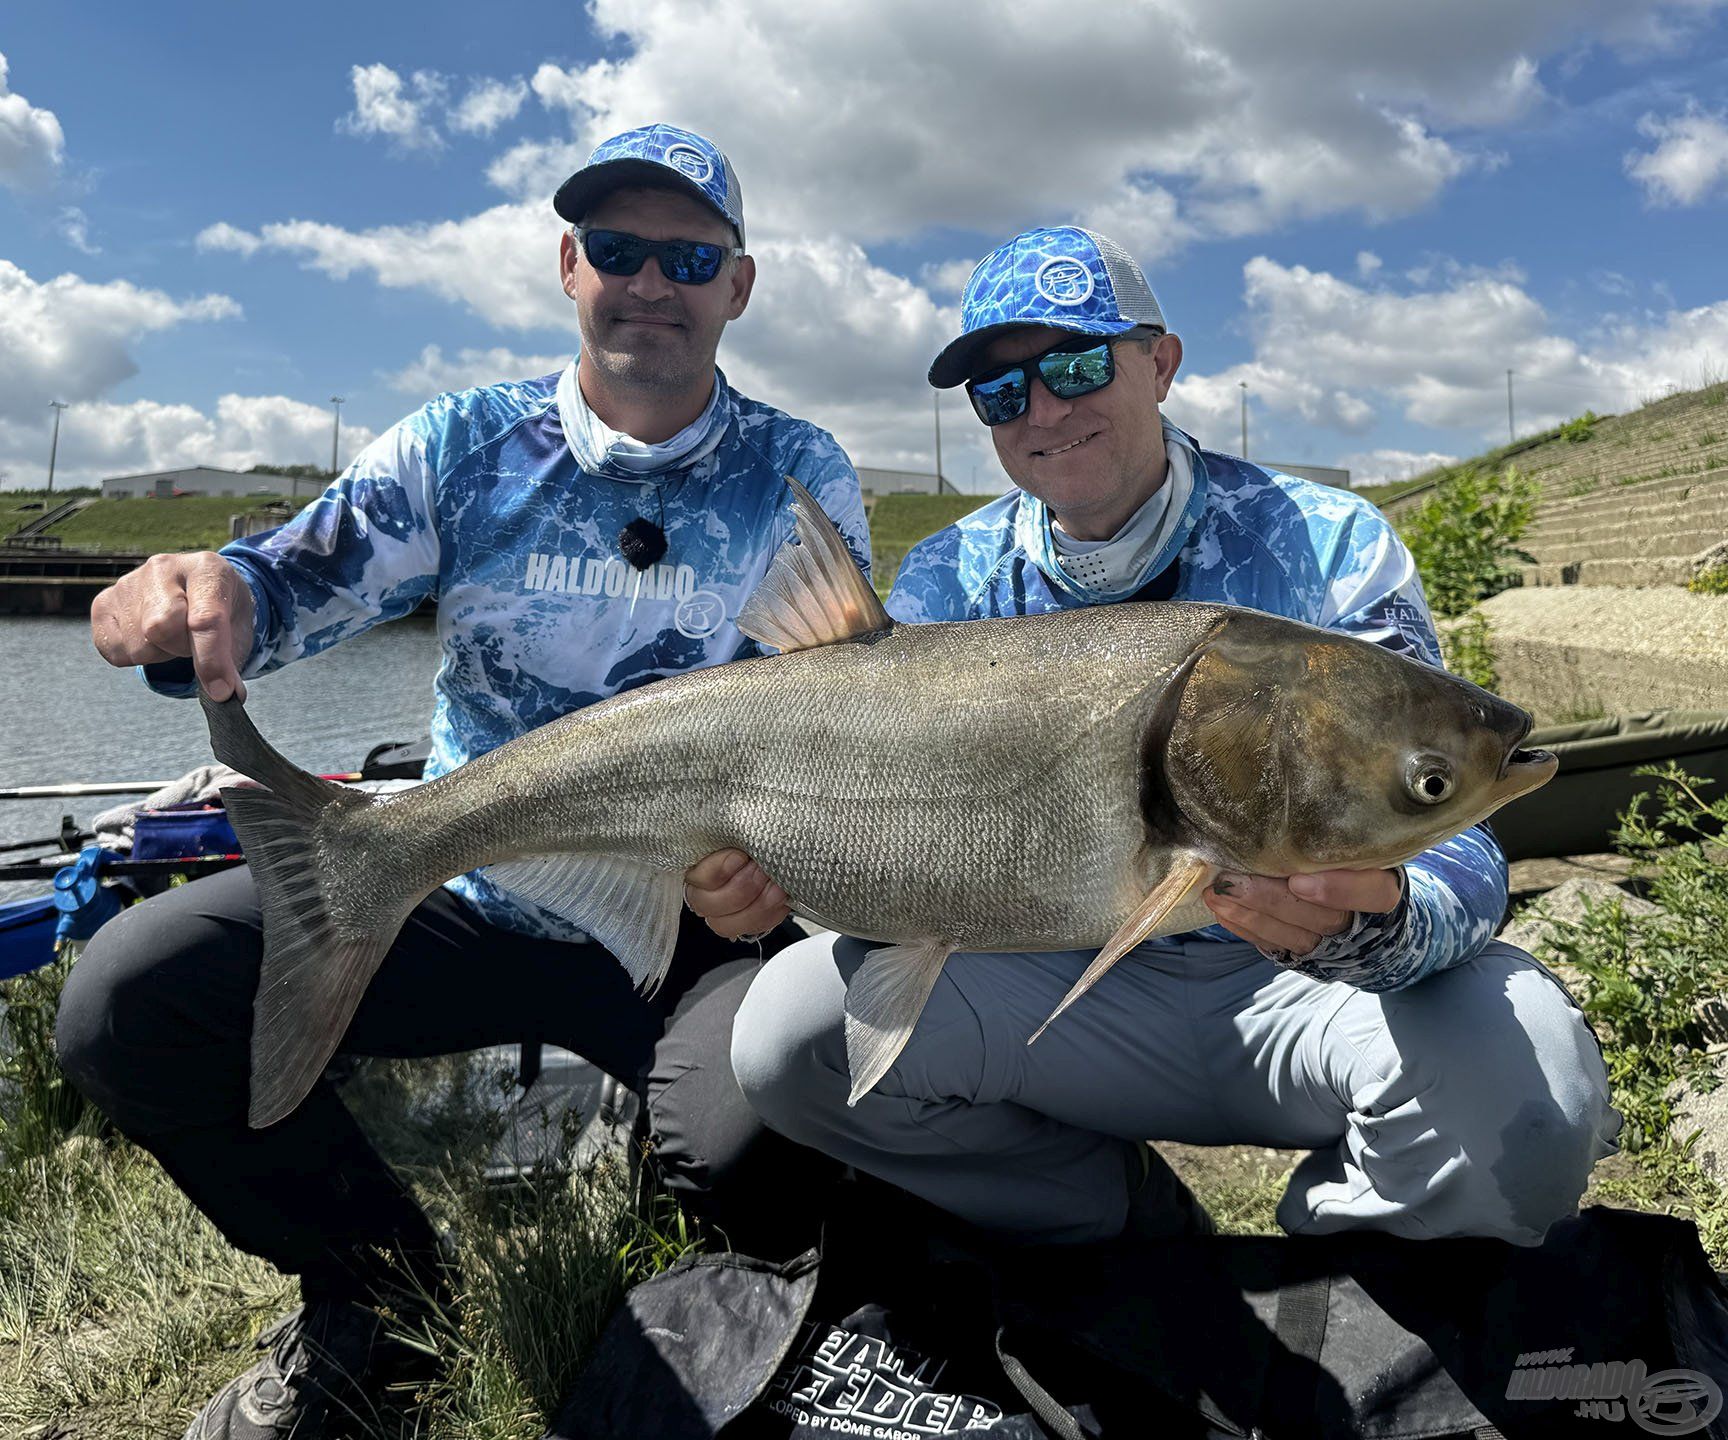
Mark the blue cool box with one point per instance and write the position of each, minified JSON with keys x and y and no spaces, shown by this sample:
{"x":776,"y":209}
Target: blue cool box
{"x":26,"y":935}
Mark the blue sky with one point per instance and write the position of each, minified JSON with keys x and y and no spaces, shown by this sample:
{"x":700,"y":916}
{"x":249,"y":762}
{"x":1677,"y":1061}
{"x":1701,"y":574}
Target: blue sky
{"x":214,"y":218}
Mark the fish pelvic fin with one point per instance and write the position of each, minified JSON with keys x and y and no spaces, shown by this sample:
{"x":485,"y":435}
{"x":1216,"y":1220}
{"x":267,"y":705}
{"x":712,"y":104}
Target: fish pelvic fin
{"x":325,"y":933}
{"x":883,"y":1002}
{"x":629,"y":907}
{"x":814,"y":593}
{"x":1189,"y":873}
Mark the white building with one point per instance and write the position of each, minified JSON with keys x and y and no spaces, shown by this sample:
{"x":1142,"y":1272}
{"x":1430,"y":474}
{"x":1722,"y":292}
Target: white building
{"x":1321,"y":474}
{"x":205,"y":480}
{"x":875,"y":482}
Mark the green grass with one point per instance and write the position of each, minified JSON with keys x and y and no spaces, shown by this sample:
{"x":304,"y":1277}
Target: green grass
{"x":192,"y":522}
{"x":898,"y":522}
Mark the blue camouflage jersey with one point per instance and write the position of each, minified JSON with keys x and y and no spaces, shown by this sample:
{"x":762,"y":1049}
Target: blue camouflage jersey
{"x":1252,"y":537}
{"x":479,"y":504}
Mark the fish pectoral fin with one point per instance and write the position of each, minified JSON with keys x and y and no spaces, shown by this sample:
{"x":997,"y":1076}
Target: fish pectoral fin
{"x":883,"y":1003}
{"x":629,"y":907}
{"x":814,"y":593}
{"x":1187,"y":874}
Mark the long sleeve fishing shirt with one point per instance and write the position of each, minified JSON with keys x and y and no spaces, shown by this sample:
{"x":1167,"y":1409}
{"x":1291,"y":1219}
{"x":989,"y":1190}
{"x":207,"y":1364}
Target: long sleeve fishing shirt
{"x":1244,"y":535}
{"x":503,"y":506}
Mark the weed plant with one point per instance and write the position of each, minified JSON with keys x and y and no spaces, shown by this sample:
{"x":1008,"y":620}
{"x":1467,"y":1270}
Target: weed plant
{"x":1465,"y":537}
{"x":1712,"y":580}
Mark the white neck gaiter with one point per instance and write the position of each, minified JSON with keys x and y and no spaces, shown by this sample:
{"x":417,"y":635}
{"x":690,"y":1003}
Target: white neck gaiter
{"x":601,"y":450}
{"x":1119,"y":565}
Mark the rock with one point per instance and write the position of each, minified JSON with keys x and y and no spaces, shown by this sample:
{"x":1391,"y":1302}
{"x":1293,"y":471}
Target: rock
{"x":1532,"y":926}
{"x":1707,"y":1114}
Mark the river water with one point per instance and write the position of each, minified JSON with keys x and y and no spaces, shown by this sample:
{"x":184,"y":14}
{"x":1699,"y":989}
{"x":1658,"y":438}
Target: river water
{"x":66,"y":715}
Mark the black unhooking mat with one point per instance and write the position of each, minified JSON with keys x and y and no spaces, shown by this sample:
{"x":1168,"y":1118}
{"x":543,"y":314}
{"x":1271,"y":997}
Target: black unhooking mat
{"x":905,"y":1326}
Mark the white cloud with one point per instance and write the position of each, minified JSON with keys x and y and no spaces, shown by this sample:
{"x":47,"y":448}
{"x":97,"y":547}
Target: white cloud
{"x":1386,"y":467}
{"x":100,"y":439}
{"x":501,"y":264}
{"x":487,"y":105}
{"x":223,"y":236}
{"x":385,"y":106}
{"x":1690,"y":161}
{"x":75,"y":230}
{"x":71,"y":339}
{"x":433,"y":372}
{"x":1330,"y":353}
{"x":949,"y":277}
{"x":32,"y":144}
{"x":1367,"y":262}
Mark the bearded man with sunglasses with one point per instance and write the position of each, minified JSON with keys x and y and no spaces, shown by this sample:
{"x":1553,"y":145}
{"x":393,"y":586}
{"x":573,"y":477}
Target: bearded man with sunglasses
{"x":580,"y":534}
{"x":1444,"y":1082}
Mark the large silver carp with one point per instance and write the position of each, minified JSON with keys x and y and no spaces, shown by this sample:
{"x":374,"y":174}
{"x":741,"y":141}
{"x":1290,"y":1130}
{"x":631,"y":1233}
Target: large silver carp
{"x":1063,"y":781}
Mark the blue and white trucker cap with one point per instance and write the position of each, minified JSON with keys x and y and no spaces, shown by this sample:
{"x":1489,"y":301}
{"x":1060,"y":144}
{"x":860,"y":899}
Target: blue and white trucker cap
{"x":655,"y":155}
{"x":1062,"y":276}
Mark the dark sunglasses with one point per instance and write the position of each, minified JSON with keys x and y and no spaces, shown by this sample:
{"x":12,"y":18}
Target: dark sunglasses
{"x":684,"y":262}
{"x":1069,"y":369}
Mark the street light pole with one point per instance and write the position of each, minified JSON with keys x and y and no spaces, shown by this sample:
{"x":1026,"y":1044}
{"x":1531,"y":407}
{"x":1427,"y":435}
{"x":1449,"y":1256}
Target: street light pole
{"x":936,"y":410}
{"x":1511,"y":435}
{"x":336,"y":435}
{"x":1244,"y":385}
{"x":54,"y":448}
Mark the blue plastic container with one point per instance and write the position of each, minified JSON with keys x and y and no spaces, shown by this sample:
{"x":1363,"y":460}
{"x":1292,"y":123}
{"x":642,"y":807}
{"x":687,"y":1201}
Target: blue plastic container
{"x":26,"y":935}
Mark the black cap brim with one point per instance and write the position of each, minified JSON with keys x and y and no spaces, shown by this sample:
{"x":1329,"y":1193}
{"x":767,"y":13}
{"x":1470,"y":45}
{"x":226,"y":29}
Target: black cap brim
{"x":583,"y":190}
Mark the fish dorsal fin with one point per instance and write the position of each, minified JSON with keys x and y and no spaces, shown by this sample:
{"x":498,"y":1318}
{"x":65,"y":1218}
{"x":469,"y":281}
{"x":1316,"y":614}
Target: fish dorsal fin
{"x":814,"y":593}
{"x":883,"y":1002}
{"x":1188,"y":874}
{"x":630,"y":908}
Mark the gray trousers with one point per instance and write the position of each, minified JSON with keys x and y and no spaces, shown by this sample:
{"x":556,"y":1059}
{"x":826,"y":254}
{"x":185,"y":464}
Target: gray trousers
{"x":1474,"y":1102}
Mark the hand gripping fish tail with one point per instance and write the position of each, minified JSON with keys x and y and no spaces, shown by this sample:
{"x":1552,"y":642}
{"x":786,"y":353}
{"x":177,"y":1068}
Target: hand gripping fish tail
{"x":324,"y":935}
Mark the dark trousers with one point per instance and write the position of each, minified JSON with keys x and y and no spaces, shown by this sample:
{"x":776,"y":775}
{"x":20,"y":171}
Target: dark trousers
{"x":155,"y":1028}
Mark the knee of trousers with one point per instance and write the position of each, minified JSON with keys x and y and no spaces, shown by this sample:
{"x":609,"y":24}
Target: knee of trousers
{"x":789,"y":1037}
{"x":119,"y":1031}
{"x":1499,"y":1062}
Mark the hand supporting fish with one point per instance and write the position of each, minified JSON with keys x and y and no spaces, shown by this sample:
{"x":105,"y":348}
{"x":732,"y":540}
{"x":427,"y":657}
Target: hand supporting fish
{"x":1051,"y":782}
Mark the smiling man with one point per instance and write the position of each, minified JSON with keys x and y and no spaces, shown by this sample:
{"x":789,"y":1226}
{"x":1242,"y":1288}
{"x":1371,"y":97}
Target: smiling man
{"x":1444,"y":1083}
{"x":580,"y":534}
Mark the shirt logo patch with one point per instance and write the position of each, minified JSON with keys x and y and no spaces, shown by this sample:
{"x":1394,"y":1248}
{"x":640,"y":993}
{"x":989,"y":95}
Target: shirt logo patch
{"x":700,"y":615}
{"x":688,"y":160}
{"x":1062,"y":281}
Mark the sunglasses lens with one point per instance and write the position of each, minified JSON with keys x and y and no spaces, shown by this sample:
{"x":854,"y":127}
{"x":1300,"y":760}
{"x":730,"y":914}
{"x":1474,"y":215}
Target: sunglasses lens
{"x":690,"y":262}
{"x":1077,"y":372}
{"x":613,"y":252}
{"x":1000,"y":398}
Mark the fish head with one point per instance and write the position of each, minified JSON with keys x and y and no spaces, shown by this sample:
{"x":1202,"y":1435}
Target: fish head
{"x":1289,"y":749}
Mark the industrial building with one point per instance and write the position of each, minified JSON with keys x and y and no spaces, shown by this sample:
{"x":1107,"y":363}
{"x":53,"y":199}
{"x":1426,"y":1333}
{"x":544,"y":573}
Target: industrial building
{"x":205,"y":480}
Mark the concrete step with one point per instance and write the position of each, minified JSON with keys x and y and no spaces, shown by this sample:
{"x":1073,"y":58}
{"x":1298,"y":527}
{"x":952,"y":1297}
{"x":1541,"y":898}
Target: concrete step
{"x":1702,"y":519}
{"x":1631,"y":544}
{"x":1581,"y":649}
{"x":1610,"y":497}
{"x":1635,"y":573}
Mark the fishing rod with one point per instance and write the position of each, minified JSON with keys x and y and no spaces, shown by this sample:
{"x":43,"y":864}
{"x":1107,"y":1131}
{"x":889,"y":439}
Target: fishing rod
{"x":97,"y":787}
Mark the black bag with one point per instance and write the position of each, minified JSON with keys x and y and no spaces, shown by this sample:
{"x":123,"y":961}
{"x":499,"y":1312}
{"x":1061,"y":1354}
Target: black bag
{"x":901,"y":1329}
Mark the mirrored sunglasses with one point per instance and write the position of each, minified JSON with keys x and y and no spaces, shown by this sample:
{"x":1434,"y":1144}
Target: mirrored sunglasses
{"x":684,"y":262}
{"x":1069,"y":369}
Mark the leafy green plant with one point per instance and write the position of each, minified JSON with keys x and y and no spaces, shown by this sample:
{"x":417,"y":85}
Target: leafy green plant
{"x":1577,"y":431}
{"x":1464,"y":537}
{"x":1712,"y":580}
{"x":1468,"y":650}
{"x":1652,"y":982}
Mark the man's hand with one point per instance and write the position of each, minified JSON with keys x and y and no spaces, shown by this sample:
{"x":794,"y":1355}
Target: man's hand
{"x":729,"y":890}
{"x":1298,"y":913}
{"x":174,"y":606}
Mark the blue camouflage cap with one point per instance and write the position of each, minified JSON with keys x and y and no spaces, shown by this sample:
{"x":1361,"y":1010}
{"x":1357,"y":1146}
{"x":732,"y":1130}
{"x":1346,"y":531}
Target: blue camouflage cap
{"x":655,"y":155}
{"x":1063,"y":276}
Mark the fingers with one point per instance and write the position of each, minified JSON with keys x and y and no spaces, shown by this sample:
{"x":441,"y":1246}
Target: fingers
{"x":734,"y":895}
{"x":1372,"y":892}
{"x":1262,"y":910}
{"x":174,"y":607}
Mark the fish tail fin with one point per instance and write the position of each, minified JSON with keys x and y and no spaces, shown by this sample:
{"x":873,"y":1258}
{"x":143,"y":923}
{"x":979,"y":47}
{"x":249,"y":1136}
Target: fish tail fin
{"x":325,"y":933}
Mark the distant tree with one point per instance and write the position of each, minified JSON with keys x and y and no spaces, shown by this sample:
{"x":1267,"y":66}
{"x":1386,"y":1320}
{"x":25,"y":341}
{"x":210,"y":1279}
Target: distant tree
{"x":294,"y":472}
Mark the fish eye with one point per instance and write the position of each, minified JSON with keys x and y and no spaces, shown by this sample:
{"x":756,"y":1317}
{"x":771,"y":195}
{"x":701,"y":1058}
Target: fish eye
{"x":1428,"y":779}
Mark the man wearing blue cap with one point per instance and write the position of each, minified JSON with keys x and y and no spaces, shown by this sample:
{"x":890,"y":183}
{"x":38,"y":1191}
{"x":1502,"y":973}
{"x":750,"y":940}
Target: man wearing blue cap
{"x":581,"y":534}
{"x":1444,"y":1082}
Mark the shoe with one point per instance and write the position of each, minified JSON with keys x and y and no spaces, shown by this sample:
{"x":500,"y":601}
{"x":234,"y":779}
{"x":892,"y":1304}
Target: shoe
{"x":1160,"y":1205}
{"x":329,"y":1363}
